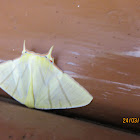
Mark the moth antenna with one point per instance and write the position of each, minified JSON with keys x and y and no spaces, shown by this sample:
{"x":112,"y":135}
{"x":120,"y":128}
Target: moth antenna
{"x":49,"y":55}
{"x":24,"y":49}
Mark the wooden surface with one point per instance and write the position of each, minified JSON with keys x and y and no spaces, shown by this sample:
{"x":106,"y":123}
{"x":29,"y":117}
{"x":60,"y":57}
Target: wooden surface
{"x":18,"y":123}
{"x":95,"y":42}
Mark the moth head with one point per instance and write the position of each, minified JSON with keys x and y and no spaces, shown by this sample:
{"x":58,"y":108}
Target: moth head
{"x":49,"y":55}
{"x":24,"y":49}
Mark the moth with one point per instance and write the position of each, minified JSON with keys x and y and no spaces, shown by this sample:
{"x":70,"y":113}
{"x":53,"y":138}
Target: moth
{"x":35,"y":81}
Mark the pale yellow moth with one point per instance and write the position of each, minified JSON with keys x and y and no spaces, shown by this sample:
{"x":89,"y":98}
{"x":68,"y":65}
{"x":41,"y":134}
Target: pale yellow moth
{"x":35,"y":81}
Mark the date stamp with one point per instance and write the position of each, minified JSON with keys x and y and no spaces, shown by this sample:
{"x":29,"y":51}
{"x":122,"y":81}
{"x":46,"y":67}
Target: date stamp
{"x":131,"y":120}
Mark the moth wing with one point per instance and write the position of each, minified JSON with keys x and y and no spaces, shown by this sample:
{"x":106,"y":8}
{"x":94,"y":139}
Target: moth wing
{"x":58,"y":90}
{"x":37,"y":83}
{"x":13,"y":78}
{"x":76,"y":95}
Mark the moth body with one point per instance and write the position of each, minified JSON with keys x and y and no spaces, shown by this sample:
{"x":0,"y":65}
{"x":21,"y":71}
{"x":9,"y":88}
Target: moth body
{"x":35,"y":81}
